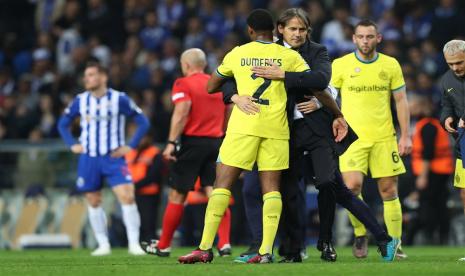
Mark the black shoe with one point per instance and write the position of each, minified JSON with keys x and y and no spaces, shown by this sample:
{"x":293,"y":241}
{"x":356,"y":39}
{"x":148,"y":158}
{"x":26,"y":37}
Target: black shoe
{"x":225,"y":251}
{"x":328,"y":253}
{"x":152,"y":249}
{"x":291,"y":259}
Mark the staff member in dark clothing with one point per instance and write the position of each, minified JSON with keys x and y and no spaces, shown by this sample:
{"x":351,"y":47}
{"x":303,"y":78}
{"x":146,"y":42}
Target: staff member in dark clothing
{"x":453,"y":106}
{"x":432,"y":164}
{"x":145,"y":163}
{"x":317,"y":133}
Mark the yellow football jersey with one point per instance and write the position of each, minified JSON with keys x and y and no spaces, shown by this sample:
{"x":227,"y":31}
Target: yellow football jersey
{"x":366,"y":89}
{"x":271,"y":121}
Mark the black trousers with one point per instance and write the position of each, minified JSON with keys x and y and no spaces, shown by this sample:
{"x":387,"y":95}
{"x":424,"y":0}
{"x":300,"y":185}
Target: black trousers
{"x":311,"y":156}
{"x":148,"y":210}
{"x":433,"y":214}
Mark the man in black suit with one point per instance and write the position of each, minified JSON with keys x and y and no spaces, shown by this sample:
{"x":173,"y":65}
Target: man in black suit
{"x":316,"y":137}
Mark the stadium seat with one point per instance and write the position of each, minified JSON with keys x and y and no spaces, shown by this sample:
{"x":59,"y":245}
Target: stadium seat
{"x":74,"y":219}
{"x":30,"y":217}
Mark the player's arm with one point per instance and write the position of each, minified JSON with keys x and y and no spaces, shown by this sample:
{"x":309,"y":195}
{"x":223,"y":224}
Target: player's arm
{"x":315,"y":79}
{"x":244,"y":103}
{"x":403,"y":115}
{"x":64,"y":124}
{"x":178,"y":122}
{"x":447,"y":117}
{"x":325,"y":97}
{"x":131,"y":110}
{"x":215,"y":82}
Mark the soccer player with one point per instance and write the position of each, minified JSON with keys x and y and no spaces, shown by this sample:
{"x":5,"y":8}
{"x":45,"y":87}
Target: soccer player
{"x":453,"y":110}
{"x":367,"y":80}
{"x":197,"y":128}
{"x":316,"y":140}
{"x":102,"y":148}
{"x":262,"y":138}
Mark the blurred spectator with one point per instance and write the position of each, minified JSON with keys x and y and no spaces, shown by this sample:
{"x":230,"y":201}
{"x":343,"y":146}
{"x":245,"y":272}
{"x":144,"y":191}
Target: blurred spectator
{"x":334,"y":33}
{"x":7,"y":83}
{"x":447,"y":22}
{"x":99,"y":51}
{"x":170,"y":13}
{"x":99,"y":22}
{"x":195,"y":36}
{"x":68,"y":40}
{"x":41,"y":69}
{"x":153,"y":35}
{"x":47,"y":125}
{"x":318,"y":18}
{"x":417,"y":24}
{"x":70,"y":17}
{"x":389,"y":26}
{"x":47,"y":11}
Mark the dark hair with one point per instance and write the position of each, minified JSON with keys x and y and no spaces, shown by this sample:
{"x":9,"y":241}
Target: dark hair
{"x":366,"y":23}
{"x":292,"y":13}
{"x":95,"y":64}
{"x":260,"y":20}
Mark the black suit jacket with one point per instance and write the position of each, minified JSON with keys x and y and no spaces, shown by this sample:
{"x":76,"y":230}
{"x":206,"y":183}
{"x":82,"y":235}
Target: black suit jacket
{"x":299,"y":84}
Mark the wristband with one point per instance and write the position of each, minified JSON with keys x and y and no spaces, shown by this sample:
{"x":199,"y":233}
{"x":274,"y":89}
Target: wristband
{"x":172,"y":142}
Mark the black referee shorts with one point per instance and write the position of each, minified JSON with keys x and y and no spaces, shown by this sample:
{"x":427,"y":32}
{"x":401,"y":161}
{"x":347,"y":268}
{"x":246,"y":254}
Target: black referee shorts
{"x":196,"y":158}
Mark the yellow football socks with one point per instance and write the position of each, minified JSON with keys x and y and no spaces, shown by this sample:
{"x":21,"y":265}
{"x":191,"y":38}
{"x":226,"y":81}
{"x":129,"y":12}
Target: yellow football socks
{"x":393,"y":217}
{"x":359,"y":228}
{"x":272,"y":206}
{"x":217,"y":204}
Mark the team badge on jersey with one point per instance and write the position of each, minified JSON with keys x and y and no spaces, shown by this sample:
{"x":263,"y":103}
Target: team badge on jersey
{"x":80,"y":182}
{"x":351,"y":163}
{"x":383,"y":75}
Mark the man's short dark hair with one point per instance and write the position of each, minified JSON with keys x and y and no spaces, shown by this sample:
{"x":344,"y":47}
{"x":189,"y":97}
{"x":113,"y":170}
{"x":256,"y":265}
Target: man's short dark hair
{"x":96,"y":64}
{"x":260,"y":20}
{"x":366,"y":23}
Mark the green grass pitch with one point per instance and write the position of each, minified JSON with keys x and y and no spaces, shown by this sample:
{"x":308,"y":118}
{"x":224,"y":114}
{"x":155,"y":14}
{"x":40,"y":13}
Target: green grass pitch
{"x":421,"y":261}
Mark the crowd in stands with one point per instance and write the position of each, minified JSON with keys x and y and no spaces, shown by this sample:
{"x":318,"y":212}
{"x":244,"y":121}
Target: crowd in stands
{"x":45,"y":44}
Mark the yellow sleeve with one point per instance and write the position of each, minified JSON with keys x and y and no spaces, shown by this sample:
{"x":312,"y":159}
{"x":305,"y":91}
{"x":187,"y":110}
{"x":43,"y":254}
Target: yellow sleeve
{"x":225,"y":69}
{"x":397,"y":79}
{"x":336,"y":76}
{"x":299,"y":64}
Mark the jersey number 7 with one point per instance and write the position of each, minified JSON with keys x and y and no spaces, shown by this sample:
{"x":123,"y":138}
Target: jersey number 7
{"x":260,"y":90}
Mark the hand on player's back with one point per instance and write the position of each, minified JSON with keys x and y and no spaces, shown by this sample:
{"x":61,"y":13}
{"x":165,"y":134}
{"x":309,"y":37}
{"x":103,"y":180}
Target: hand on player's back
{"x":120,"y":151}
{"x":245,"y":104}
{"x":308,"y":106}
{"x":272,"y":72}
{"x":77,"y":148}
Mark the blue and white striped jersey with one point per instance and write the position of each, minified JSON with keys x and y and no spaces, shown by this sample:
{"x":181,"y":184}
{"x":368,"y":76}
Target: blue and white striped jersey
{"x":103,"y":121}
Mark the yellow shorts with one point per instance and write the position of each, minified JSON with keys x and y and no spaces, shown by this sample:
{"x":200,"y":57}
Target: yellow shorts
{"x":459,"y":176}
{"x":242,"y":151}
{"x":381,"y":158}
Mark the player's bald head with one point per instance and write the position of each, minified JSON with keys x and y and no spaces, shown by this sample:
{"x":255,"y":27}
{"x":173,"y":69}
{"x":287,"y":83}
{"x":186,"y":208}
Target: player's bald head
{"x":195,"y":58}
